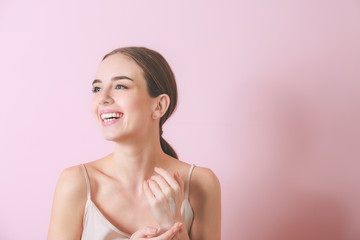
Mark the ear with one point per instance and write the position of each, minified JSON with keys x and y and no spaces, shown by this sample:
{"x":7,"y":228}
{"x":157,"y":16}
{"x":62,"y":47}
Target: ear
{"x":162,"y":103}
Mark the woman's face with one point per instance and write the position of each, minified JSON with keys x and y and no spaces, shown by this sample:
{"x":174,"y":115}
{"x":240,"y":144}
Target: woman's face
{"x":120,"y":92}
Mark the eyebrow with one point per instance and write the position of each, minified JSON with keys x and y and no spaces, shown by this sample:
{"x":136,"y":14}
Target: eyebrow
{"x":115,"y":78}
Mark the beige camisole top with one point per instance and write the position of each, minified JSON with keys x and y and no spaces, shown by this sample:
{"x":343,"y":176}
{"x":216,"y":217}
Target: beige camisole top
{"x":97,"y":227}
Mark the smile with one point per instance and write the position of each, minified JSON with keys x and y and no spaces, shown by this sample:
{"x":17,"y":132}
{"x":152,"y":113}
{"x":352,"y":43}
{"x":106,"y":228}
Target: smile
{"x":107,"y":117}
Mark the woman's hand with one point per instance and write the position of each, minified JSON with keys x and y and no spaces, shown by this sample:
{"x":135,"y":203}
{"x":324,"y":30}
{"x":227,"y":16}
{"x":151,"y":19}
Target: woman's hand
{"x":165,"y":194}
{"x":149,"y":233}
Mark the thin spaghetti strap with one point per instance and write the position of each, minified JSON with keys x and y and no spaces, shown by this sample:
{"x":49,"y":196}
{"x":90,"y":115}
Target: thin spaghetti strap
{"x":188,"y":182}
{"x":87,"y":181}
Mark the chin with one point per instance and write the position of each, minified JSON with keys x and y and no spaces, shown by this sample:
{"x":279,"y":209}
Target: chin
{"x":114,"y":138}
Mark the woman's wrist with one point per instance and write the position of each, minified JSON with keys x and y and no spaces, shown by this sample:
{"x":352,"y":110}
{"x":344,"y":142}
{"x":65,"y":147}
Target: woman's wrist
{"x":167,"y":225}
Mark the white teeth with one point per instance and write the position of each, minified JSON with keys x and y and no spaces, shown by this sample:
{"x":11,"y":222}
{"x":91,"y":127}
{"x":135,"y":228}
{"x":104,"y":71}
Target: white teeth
{"x":104,"y":116}
{"x":108,"y":120}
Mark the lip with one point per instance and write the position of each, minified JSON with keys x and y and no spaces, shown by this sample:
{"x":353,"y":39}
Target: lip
{"x":109,"y":111}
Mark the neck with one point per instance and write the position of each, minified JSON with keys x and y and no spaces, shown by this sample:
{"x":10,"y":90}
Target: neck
{"x":134,"y":162}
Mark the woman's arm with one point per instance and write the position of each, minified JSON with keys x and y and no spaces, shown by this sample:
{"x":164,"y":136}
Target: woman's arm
{"x":68,"y":206}
{"x":205,"y":199}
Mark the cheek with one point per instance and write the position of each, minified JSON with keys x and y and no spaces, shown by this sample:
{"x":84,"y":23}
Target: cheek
{"x":146,"y":106}
{"x":135,"y":103}
{"x":136,"y":108}
{"x":141,"y":108}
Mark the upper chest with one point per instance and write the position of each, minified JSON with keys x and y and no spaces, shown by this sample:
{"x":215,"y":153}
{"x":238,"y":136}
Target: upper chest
{"x":122,"y":208}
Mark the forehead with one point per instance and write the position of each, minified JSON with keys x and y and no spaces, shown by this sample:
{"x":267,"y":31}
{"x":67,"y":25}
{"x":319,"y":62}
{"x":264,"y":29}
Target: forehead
{"x":118,"y":65}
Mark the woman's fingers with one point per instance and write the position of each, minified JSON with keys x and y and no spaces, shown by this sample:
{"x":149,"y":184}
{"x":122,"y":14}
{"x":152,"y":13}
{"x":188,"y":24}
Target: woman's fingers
{"x":169,"y":234}
{"x":164,"y":199}
{"x":156,"y":190}
{"x":180,"y":181}
{"x":167,"y":189}
{"x":148,"y":193}
{"x":144,"y":233}
{"x":148,"y":233}
{"x":169,"y":179}
{"x":164,"y":186}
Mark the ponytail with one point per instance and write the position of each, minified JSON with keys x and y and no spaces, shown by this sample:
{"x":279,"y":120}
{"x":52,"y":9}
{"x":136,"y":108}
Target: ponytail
{"x":167,"y":148}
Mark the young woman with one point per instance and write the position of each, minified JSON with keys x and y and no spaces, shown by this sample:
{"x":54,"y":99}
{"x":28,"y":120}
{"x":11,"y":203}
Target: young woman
{"x":141,"y":190}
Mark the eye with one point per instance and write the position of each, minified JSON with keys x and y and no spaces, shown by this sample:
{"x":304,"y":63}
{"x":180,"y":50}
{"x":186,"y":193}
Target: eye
{"x":94,"y":89}
{"x":119,"y":86}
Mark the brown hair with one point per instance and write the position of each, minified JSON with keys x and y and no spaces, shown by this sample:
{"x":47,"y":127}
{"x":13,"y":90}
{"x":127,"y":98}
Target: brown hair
{"x":160,"y":80}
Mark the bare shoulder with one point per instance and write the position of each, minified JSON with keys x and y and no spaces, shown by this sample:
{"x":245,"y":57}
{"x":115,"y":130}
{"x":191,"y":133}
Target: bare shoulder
{"x":72,"y":182}
{"x":201,"y":178}
{"x":68,"y":205}
{"x":205,"y":179}
{"x":205,"y":199}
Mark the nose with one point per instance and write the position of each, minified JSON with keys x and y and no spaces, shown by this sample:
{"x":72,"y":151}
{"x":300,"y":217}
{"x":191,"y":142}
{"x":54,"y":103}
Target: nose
{"x":105,"y":97}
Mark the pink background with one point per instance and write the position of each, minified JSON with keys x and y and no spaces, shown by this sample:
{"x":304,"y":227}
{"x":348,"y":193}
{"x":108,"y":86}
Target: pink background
{"x":269,"y":100}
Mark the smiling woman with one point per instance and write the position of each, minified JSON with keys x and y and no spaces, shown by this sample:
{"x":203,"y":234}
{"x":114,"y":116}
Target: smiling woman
{"x":141,"y":190}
